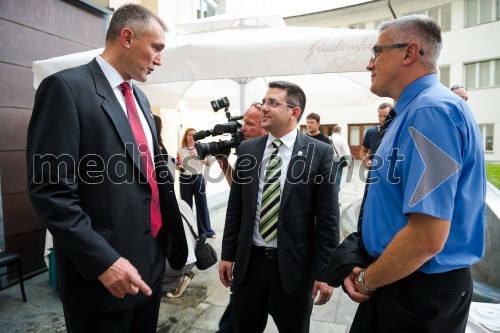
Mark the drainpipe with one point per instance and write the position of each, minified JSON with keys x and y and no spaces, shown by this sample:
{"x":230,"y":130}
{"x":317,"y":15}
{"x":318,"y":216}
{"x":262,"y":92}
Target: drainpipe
{"x":392,"y":10}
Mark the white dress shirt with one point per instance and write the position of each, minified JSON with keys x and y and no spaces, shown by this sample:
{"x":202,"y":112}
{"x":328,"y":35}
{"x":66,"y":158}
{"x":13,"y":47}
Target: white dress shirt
{"x":115,"y":79}
{"x":285,"y":152}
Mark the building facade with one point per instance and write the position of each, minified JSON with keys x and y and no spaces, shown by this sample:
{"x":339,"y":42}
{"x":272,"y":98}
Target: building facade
{"x":32,"y":30}
{"x":470,"y":56}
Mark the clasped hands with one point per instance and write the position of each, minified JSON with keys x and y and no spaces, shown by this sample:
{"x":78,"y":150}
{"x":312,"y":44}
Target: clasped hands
{"x":353,"y":287}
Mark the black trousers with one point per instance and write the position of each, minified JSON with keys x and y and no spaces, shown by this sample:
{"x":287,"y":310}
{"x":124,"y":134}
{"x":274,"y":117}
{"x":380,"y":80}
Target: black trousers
{"x":261,"y":287}
{"x":142,"y":318}
{"x":194,"y":186}
{"x":420,"y":303}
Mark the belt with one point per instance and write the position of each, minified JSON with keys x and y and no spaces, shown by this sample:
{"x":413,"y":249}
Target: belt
{"x":267,"y":252}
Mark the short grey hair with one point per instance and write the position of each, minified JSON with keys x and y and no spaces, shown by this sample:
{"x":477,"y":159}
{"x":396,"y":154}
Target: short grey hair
{"x":385,"y":105}
{"x":420,"y":29}
{"x":136,"y":17}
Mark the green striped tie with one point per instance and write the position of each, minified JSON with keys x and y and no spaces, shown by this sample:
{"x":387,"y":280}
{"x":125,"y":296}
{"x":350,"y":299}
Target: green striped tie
{"x":270,"y":207}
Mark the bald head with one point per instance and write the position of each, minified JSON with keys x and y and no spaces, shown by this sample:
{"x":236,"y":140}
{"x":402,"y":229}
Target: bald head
{"x":251,"y":127}
{"x":460,"y":91}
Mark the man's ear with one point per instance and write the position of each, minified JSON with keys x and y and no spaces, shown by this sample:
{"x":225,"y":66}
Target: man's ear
{"x":126,"y":37}
{"x":411,"y":53}
{"x":295,"y":112}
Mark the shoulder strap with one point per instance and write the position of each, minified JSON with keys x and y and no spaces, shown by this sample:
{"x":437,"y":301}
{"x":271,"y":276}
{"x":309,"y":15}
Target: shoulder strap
{"x":190,"y":227}
{"x":336,"y":152}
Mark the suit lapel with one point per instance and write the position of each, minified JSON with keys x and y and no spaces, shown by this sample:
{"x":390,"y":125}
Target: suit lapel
{"x":259,"y":155}
{"x":299,"y":151}
{"x":159,"y":160}
{"x":146,"y":110}
{"x":114,"y":110}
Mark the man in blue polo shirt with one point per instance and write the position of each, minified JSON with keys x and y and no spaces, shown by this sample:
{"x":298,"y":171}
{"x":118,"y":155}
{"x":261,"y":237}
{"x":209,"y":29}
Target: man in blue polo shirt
{"x":423,"y":221}
{"x":370,"y":140}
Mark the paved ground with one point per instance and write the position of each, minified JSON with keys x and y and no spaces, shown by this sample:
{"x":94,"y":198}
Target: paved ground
{"x":201,"y":306}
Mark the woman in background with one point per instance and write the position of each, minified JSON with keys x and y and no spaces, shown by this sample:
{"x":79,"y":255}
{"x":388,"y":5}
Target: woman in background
{"x":192,"y":182}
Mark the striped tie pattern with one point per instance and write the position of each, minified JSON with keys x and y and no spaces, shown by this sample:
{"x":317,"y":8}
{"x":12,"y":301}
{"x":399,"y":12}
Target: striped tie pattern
{"x":270,"y":207}
{"x":390,"y":117}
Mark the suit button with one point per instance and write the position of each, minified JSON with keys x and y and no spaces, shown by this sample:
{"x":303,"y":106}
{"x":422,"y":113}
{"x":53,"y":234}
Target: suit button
{"x":147,"y":200}
{"x":147,"y":232}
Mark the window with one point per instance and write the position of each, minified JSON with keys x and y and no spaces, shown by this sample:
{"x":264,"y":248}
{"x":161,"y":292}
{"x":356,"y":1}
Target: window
{"x":354,"y":138}
{"x":481,"y":11}
{"x":206,"y":8}
{"x":482,"y":74}
{"x":379,"y":22}
{"x":487,"y":134}
{"x":357,"y":26}
{"x":470,"y":75}
{"x":444,"y":75}
{"x":497,"y":73}
{"x":441,"y":15}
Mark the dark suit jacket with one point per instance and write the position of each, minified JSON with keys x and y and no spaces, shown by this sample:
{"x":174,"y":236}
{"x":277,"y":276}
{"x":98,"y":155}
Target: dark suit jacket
{"x":308,"y":230}
{"x":96,"y":203}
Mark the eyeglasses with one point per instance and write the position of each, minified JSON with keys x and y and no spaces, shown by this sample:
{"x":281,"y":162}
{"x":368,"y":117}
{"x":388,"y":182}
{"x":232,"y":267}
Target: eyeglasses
{"x":377,"y":49}
{"x":270,"y":102}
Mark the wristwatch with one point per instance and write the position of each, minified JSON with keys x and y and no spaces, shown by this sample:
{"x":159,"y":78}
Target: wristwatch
{"x":361,"y":280}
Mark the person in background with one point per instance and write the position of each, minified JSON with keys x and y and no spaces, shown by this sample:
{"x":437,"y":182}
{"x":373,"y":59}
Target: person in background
{"x":313,"y":128}
{"x":340,"y":149}
{"x":192,"y":183}
{"x":423,"y":218}
{"x":251,"y":129}
{"x":159,"y":126}
{"x":279,"y":257}
{"x":114,"y":219}
{"x":175,"y":281}
{"x":369,"y":147}
{"x":461,"y":91}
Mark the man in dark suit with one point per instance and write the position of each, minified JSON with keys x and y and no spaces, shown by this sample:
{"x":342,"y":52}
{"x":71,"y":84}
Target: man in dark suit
{"x":92,"y":180}
{"x":280,"y":257}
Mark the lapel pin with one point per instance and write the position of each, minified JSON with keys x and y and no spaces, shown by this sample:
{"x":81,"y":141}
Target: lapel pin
{"x":299,"y":153}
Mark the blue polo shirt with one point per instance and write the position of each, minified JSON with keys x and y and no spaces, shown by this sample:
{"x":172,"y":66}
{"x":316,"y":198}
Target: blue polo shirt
{"x":371,"y":138}
{"x":433,"y":163}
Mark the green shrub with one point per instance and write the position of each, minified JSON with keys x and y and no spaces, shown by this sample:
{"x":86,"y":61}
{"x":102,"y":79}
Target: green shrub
{"x":493,"y":174}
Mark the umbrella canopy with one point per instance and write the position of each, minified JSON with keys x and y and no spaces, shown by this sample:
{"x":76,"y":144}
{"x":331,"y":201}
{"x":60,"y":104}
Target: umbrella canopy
{"x":239,"y":61}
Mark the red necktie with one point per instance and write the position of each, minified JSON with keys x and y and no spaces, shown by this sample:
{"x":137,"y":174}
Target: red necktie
{"x":147,"y":163}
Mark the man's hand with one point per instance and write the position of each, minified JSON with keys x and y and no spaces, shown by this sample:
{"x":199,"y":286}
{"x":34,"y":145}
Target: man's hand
{"x":223,"y":161}
{"x":226,"y":273}
{"x":325,"y":292}
{"x":122,"y":278}
{"x":351,"y":284}
{"x":367,"y":162}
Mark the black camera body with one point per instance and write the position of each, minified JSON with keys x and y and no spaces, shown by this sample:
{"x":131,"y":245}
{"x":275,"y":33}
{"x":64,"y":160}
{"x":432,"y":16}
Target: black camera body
{"x":232,"y":127}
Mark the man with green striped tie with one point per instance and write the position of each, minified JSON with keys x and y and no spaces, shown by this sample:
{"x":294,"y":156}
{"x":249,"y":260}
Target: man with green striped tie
{"x":282,"y":220}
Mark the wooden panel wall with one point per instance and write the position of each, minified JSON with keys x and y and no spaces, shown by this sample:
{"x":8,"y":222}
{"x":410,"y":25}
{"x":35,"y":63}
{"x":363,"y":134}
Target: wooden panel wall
{"x":32,"y":30}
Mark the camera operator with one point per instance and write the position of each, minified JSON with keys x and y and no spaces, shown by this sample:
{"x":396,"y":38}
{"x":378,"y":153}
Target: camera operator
{"x":251,"y":129}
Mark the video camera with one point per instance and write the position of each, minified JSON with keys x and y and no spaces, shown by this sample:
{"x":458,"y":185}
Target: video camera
{"x":232,"y":126}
